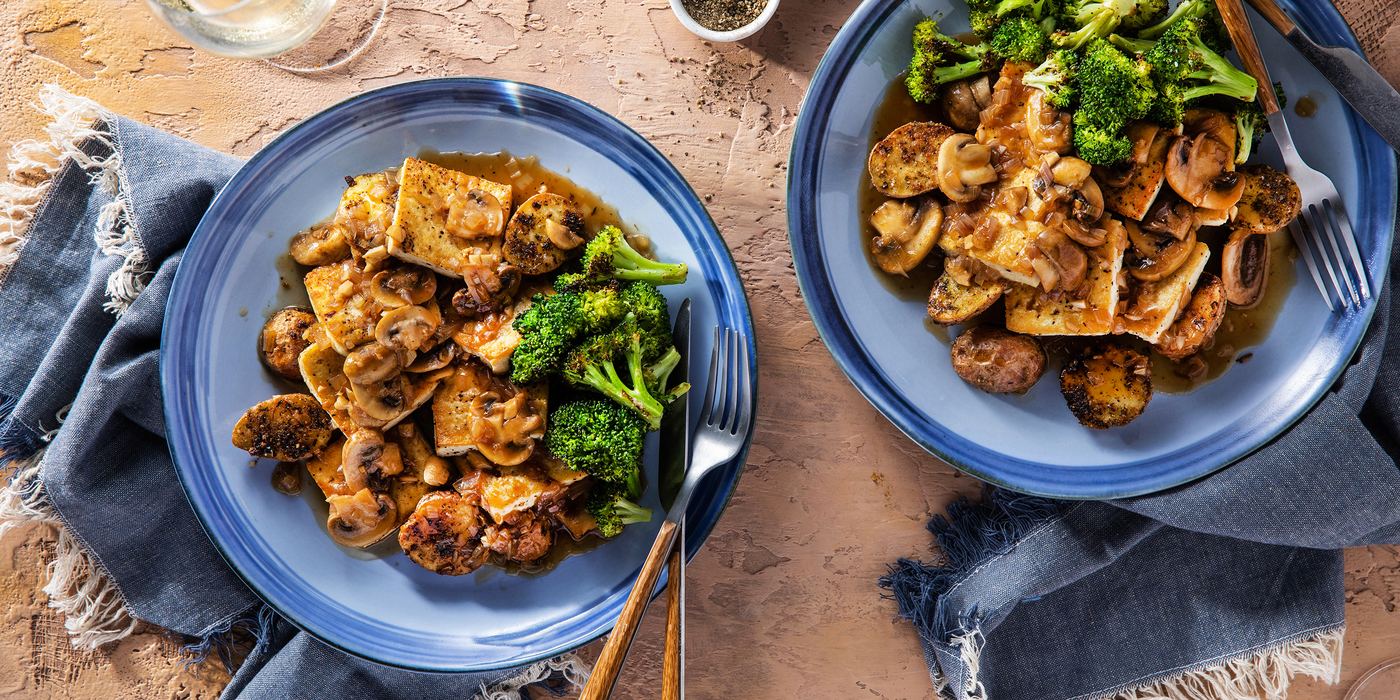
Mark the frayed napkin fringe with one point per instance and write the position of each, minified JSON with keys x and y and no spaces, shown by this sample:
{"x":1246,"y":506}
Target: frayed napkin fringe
{"x":33,"y":165}
{"x":246,"y":634}
{"x":94,"y":610}
{"x":560,"y":676}
{"x":1264,"y":675}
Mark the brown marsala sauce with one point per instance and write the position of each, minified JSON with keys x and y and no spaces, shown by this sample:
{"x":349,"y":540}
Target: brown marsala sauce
{"x":1241,"y":329}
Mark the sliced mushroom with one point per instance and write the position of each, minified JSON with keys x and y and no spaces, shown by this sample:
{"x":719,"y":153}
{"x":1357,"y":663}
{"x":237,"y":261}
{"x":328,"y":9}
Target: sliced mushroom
{"x":1213,"y":123}
{"x":477,"y":214}
{"x":529,"y":243}
{"x":372,"y":362}
{"x":1169,"y":215}
{"x":561,"y":236}
{"x":403,"y":285}
{"x":406,"y":327}
{"x":1244,"y":267}
{"x":362,"y":519}
{"x":1089,"y":237}
{"x":1201,"y":170}
{"x":963,"y":167}
{"x":1070,"y":262}
{"x":320,"y":245}
{"x":1156,"y":255}
{"x":1270,"y":200}
{"x":964,"y":100}
{"x":384,"y":400}
{"x":1048,"y":126}
{"x":437,"y":358}
{"x":487,"y":291}
{"x":906,"y":234}
{"x":1086,"y":202}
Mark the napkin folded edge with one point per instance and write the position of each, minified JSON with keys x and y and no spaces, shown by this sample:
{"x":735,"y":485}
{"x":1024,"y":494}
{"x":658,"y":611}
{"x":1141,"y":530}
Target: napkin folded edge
{"x":973,"y":533}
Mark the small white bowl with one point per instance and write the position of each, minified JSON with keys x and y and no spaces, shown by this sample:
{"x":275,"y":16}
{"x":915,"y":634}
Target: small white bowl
{"x":732,"y":35}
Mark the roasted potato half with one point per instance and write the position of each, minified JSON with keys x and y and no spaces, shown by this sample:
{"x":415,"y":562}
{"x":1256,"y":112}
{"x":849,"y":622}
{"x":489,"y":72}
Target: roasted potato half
{"x":1198,"y":324}
{"x":286,"y":428}
{"x":998,"y":361}
{"x":1107,"y":385}
{"x":1270,"y":200}
{"x":905,"y":163}
{"x":544,"y":232}
{"x":951,"y":303}
{"x":282,"y":341}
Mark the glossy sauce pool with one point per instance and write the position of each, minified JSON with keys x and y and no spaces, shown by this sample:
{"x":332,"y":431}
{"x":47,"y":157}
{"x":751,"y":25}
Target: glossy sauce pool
{"x":1241,"y":329}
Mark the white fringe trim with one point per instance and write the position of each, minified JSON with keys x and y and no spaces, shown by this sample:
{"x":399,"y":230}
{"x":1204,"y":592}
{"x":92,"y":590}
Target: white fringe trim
{"x":1264,"y":676}
{"x":969,"y":646}
{"x":95,"y":612}
{"x":573,"y":668}
{"x":32,"y":166}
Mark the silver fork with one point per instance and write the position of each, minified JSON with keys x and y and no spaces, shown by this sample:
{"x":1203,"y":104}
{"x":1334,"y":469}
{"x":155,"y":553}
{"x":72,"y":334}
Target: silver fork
{"x":1327,"y":228}
{"x":719,"y":435}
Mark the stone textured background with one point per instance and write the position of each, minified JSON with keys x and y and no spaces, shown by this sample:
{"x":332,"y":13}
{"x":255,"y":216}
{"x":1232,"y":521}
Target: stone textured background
{"x":783,"y":600}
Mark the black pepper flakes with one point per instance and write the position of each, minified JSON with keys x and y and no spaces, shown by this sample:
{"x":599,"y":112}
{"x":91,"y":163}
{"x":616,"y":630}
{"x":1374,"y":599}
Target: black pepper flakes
{"x":724,"y":15}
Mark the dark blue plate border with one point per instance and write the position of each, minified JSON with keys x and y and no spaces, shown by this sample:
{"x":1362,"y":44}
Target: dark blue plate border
{"x":1375,"y":161}
{"x":182,"y":335}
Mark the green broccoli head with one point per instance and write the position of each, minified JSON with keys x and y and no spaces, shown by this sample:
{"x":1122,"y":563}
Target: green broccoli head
{"x":940,"y":59}
{"x":649,"y":306}
{"x":609,"y":255}
{"x":611,"y":506}
{"x":1145,"y":13}
{"x":1082,"y":21}
{"x":597,"y":437}
{"x":1099,"y":145}
{"x":1170,"y":106}
{"x":1181,"y":56}
{"x":553,"y":322}
{"x":1020,"y":39}
{"x":988,"y":15}
{"x":1113,"y":87}
{"x":1212,"y":26}
{"x":1055,"y":77}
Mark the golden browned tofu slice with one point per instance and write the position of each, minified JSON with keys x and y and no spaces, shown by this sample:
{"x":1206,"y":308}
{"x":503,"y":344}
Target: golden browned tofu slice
{"x":1135,"y":198}
{"x":1013,"y":235}
{"x":367,"y":208}
{"x":475,"y":410}
{"x":421,"y":465}
{"x":1152,"y":306}
{"x":320,"y":364}
{"x":419,"y":233}
{"x":1032,"y":312}
{"x":344,"y":307}
{"x":517,"y":489}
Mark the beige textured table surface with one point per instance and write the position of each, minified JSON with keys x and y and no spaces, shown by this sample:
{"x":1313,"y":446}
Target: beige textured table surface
{"x":783,"y":601}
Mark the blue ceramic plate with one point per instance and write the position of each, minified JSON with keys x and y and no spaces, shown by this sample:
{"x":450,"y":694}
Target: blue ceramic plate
{"x":387,"y":608}
{"x":1033,"y":443}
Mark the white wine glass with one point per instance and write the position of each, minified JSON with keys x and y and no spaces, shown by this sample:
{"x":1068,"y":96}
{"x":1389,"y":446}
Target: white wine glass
{"x":296,"y":35}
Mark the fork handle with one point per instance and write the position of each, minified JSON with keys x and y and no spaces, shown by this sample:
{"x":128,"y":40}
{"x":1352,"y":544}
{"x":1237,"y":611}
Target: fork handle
{"x":604,"y":675}
{"x":1243,"y":35}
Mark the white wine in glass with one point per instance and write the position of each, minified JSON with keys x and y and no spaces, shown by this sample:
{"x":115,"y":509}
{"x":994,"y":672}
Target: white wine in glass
{"x":266,"y":28}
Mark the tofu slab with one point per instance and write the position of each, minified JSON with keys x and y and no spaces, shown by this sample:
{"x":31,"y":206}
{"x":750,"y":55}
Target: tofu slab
{"x":1152,"y":306}
{"x":1134,"y":199}
{"x":321,"y":363}
{"x":1008,"y":253}
{"x":1030,"y":311}
{"x":348,"y":319}
{"x":454,"y":424}
{"x":367,"y":209}
{"x":419,"y":234}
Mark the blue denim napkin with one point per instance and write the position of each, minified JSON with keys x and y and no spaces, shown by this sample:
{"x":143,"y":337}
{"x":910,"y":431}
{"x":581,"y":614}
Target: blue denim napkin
{"x":1217,"y":590}
{"x":91,"y":232}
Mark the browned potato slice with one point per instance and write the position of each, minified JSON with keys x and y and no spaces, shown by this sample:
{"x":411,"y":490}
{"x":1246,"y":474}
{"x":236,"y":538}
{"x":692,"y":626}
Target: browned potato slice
{"x":1197,"y":326}
{"x":1269,"y":202}
{"x":443,"y":535}
{"x":1107,"y":386}
{"x":282,"y":342}
{"x":544,"y":232}
{"x":905,"y":163}
{"x":998,"y":361}
{"x":287,"y":428}
{"x":951,"y":303}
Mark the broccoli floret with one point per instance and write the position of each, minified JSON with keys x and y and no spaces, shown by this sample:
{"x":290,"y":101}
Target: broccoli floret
{"x":1170,"y":105}
{"x":594,"y":364}
{"x":597,"y":437}
{"x":649,"y":306}
{"x":609,"y":504}
{"x":1055,"y":78}
{"x":554,"y":322}
{"x":1020,"y":39}
{"x":937,"y":61}
{"x":1086,"y":20}
{"x":1098,"y":145}
{"x":1113,"y":88}
{"x":1180,"y":56}
{"x":1212,"y":26}
{"x":609,"y":255}
{"x":1251,"y":124}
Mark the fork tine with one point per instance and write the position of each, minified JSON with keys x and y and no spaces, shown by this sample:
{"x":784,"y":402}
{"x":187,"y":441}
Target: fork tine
{"x":1335,"y":248}
{"x":743,"y":394}
{"x":722,"y":401}
{"x":1343,"y":225}
{"x":1306,"y":251}
{"x":1315,"y":235}
{"x":707,"y":408}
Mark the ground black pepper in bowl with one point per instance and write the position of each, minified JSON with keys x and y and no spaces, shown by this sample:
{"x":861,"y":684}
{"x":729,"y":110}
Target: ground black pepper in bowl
{"x":724,"y":15}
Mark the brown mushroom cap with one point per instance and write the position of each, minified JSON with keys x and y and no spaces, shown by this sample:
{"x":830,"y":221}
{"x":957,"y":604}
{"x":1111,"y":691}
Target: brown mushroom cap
{"x":403,"y":285}
{"x":372,"y":362}
{"x":435,"y":359}
{"x":1169,"y":214}
{"x":320,"y":245}
{"x":362,"y":519}
{"x":1070,"y":263}
{"x":1201,"y":170}
{"x":963,"y":167}
{"x":475,"y":214}
{"x":406,"y":327}
{"x":963,"y":101}
{"x":906,"y":235}
{"x":381,"y":400}
{"x":1156,"y":255}
{"x":1244,"y":267}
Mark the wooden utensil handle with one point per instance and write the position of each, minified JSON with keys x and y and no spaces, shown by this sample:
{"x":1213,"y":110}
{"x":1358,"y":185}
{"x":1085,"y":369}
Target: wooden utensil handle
{"x":671,"y":664}
{"x":1270,"y":11}
{"x":1238,"y":24}
{"x":600,"y":682}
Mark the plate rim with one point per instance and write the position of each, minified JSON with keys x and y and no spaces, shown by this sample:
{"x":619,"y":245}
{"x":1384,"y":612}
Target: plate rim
{"x":700,"y":509}
{"x":804,"y":161}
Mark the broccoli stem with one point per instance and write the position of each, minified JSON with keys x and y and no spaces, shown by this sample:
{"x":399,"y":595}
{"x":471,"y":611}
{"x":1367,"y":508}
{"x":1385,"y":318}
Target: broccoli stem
{"x":630,"y":265}
{"x":948,"y":74}
{"x":661,"y":369}
{"x":605,"y":379}
{"x":1224,"y":78}
{"x":1187,"y":7}
{"x":1100,"y":25}
{"x":1133,"y":46}
{"x":630,"y":513}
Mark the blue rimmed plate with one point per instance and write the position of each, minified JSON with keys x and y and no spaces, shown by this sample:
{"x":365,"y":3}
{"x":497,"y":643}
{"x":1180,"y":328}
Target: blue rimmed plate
{"x":388,"y":609}
{"x":1033,"y":443}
